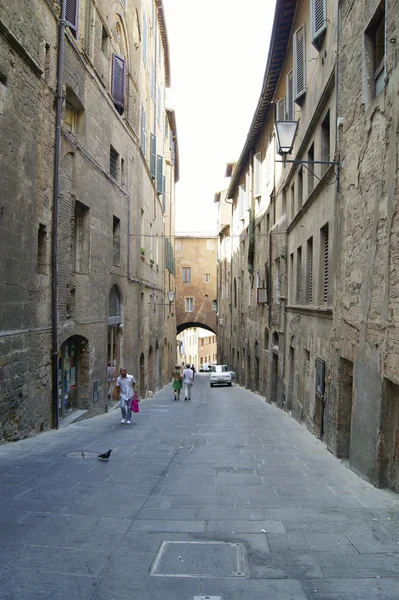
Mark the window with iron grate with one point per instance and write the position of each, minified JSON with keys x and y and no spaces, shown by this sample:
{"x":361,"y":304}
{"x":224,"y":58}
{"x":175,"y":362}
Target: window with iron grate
{"x":324,"y":235}
{"x":113,"y":162}
{"x":309,"y":283}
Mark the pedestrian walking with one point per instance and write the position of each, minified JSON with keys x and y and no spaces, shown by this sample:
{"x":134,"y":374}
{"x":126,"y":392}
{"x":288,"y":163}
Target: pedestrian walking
{"x":177,"y":381}
{"x":111,"y":376}
{"x":188,"y":380}
{"x":124,"y":386}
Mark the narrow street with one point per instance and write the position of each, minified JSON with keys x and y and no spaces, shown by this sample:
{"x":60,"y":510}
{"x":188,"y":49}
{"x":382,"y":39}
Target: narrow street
{"x":272,"y":514}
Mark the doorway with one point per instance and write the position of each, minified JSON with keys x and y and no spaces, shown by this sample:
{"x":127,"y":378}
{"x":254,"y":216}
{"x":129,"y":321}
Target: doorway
{"x":142,"y":376}
{"x":273,"y":394}
{"x":319,"y":399}
{"x":344,"y":408}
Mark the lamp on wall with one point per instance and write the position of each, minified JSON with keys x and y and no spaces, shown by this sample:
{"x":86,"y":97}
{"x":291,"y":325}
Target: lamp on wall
{"x":285,"y":136}
{"x":171,"y":297}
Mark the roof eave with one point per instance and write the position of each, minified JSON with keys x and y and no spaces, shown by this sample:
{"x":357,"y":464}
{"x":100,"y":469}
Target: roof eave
{"x":164,"y":38}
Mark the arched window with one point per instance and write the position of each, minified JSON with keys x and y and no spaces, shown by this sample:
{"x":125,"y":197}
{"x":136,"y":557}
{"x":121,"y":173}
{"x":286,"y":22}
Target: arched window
{"x":266,"y":338}
{"x":114,"y":309}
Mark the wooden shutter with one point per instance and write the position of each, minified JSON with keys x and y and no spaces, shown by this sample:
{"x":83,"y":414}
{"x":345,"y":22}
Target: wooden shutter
{"x":71,"y":15}
{"x":143,"y":129}
{"x":114,"y":305}
{"x":159,"y":173}
{"x":318,"y":20}
{"x":118,"y":81}
{"x":163,"y":193}
{"x":280,"y":110}
{"x":153,"y":155}
{"x":299,"y":63}
{"x":289,"y":99}
{"x":325,"y":264}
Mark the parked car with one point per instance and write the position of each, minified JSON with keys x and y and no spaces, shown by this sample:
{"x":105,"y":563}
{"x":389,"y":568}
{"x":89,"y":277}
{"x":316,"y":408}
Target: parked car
{"x":204,"y":368}
{"x":221,"y":375}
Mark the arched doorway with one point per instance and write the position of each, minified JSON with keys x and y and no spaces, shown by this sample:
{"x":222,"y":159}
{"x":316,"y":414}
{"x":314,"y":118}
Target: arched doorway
{"x":158,"y":367}
{"x":114,"y":332}
{"x":73,"y":369}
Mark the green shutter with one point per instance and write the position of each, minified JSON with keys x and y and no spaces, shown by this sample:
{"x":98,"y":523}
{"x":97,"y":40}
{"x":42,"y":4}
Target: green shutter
{"x":159,"y":173}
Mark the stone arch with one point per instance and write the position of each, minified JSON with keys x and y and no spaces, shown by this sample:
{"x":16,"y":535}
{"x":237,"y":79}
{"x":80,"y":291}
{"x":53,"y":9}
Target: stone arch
{"x":118,"y":28}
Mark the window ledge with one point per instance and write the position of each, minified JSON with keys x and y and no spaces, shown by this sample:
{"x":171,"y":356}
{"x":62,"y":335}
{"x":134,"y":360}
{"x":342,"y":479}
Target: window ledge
{"x":306,"y":309}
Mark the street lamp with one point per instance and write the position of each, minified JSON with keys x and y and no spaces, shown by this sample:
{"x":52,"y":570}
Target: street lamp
{"x":285,"y":137}
{"x":171,"y":297}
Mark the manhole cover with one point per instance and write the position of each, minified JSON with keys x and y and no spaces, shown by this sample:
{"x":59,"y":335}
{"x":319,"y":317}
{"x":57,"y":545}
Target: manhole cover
{"x":82,"y":454}
{"x":179,"y":448}
{"x":199,"y":559}
{"x":207,"y":598}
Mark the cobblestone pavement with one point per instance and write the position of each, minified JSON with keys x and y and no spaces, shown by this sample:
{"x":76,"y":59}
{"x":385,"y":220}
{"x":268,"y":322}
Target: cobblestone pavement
{"x":223,"y":497}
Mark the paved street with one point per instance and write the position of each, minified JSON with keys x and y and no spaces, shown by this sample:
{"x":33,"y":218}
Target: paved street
{"x":273,"y":515}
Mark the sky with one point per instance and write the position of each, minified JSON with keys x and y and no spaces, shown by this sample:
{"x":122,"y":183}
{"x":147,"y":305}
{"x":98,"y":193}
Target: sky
{"x":218,"y":51}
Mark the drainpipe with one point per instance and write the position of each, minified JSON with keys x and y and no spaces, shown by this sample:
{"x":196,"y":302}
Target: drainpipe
{"x":54,"y":228}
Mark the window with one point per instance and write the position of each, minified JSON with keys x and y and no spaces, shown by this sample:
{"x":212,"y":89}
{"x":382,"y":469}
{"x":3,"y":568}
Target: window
{"x":69,"y":117}
{"x":159,"y":174}
{"x":153,"y":153}
{"x":299,"y":275}
{"x":299,"y":63}
{"x":292,"y":201}
{"x":375,"y":53}
{"x":324,"y":263}
{"x":159,"y":107}
{"x":41,"y":263}
{"x":280,"y":110}
{"x":257,"y":174}
{"x":179,"y":245}
{"x":310,"y":170}
{"x":186,"y":275}
{"x":207,"y":277}
{"x":143,"y":129}
{"x":118,"y":83}
{"x":318,"y":22}
{"x":113,"y":162}
{"x":289,"y":98}
{"x":116,"y":240}
{"x":71,"y":15}
{"x":277,"y":282}
{"x":300,"y":188}
{"x":123,"y":172}
{"x":325,"y":142}
{"x":81,"y":238}
{"x":309,"y":271}
{"x":284,"y":201}
{"x":291,"y":274}
{"x":189,"y":304}
{"x":163,"y":193}
{"x":241,"y":201}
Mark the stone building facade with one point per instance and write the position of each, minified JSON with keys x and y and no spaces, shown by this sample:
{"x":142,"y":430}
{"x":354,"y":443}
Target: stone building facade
{"x":196,"y":291}
{"x":114,"y":246}
{"x":310,"y":264}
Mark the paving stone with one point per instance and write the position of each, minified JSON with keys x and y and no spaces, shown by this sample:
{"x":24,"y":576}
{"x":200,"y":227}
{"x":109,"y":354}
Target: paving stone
{"x":245,"y":526}
{"x":353,"y":589}
{"x":355,"y":566}
{"x":309,"y":542}
{"x":277,"y":566}
{"x":52,"y":586}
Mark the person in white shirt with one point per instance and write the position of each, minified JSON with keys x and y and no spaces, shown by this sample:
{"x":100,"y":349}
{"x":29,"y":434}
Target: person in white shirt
{"x":124,"y":386}
{"x":188,"y":380}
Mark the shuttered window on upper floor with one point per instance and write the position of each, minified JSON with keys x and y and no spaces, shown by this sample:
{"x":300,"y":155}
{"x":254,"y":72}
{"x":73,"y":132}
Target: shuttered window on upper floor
{"x":159,"y":174}
{"x":153,"y":155}
{"x":257,"y":174}
{"x":145,"y":40}
{"x":289,"y":98}
{"x":71,"y":15}
{"x":118,"y":83}
{"x":318,"y":21}
{"x":299,"y":63}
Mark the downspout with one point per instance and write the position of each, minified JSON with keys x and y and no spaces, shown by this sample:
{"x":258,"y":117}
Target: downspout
{"x":54,"y":228}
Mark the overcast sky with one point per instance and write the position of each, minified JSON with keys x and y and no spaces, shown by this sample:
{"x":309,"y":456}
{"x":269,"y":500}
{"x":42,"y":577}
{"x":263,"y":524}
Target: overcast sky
{"x":218,"y":52}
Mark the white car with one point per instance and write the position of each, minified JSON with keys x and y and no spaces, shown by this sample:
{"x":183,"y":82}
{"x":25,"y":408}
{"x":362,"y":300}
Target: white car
{"x":221,"y":375}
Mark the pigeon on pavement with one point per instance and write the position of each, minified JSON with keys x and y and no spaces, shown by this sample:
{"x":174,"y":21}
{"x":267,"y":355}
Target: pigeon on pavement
{"x":105,"y":456}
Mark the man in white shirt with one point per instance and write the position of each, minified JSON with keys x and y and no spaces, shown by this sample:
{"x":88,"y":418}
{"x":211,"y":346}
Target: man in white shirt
{"x":188,"y":380}
{"x":124,"y":386}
